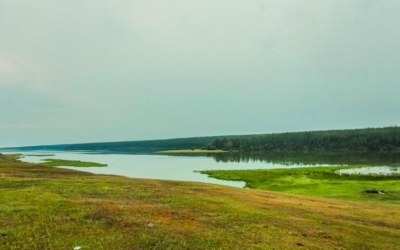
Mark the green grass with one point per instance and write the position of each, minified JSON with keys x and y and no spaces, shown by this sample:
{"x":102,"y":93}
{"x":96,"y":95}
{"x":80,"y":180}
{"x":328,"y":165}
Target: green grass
{"x":316,"y":181}
{"x":40,"y":155}
{"x":71,"y":163}
{"x":191,"y":151}
{"x":43,"y":207}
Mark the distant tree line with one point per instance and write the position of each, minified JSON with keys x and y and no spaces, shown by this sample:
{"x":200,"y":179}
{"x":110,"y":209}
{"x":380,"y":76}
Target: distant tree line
{"x":127,"y":147}
{"x":143,"y":147}
{"x":370,"y":139}
{"x":365,"y":140}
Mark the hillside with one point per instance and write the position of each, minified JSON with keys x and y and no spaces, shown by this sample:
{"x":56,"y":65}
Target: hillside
{"x":50,"y":208}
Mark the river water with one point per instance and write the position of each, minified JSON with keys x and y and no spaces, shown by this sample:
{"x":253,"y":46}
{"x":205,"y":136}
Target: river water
{"x":156,"y":166}
{"x":183,"y":167}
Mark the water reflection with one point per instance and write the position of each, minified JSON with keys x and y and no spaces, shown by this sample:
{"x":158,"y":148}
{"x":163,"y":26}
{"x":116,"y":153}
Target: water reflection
{"x":313,"y":158}
{"x":382,"y":170}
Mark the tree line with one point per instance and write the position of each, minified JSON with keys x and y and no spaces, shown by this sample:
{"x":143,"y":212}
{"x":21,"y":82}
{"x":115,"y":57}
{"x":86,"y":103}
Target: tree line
{"x":369,"y":139}
{"x":143,"y":147}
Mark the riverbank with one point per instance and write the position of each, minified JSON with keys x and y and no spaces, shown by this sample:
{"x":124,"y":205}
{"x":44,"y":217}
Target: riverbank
{"x":51,"y":208}
{"x":317,"y":181}
{"x":191,"y":151}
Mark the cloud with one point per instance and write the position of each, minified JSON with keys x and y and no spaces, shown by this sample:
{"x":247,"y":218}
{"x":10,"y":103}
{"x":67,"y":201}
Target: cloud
{"x":16,"y":70}
{"x":128,"y":68}
{"x":17,"y":126}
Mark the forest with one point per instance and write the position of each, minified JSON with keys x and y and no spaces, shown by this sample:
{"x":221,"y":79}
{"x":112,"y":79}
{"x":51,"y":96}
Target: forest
{"x":358,"y":140}
{"x":369,"y":139}
{"x":149,"y":146}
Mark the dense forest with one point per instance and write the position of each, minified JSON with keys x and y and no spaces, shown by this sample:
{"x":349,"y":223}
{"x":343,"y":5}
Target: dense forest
{"x":369,"y":139}
{"x":360,"y":140}
{"x":127,"y":147}
{"x":150,"y":146}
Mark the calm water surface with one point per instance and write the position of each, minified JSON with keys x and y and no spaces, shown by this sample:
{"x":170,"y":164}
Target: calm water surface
{"x":183,"y":167}
{"x":157,"y":166}
{"x":373,"y":170}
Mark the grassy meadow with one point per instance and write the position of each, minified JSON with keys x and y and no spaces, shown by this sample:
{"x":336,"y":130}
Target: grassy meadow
{"x":43,"y":207}
{"x":317,"y":181}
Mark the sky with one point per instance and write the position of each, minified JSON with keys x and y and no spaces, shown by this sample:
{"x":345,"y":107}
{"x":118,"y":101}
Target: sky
{"x":116,"y":70}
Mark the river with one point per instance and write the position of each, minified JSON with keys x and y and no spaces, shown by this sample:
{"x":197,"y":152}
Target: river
{"x":183,"y":167}
{"x":163,"y":167}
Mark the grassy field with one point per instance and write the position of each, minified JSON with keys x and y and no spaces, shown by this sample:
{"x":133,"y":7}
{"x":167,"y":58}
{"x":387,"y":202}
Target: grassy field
{"x":317,"y":181}
{"x":43,"y":207}
{"x":191,"y":151}
{"x":71,"y":163}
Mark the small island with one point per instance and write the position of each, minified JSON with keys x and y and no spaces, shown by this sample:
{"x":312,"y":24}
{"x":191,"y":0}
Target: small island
{"x":192,"y":151}
{"x":70,"y":163}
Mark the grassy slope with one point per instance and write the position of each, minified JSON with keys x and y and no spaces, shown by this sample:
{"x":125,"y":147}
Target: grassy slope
{"x":50,"y":208}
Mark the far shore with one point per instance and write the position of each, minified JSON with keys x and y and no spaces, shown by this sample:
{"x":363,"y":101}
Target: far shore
{"x":192,"y":151}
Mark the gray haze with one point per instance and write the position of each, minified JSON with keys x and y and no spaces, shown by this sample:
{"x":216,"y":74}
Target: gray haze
{"x":87,"y":71}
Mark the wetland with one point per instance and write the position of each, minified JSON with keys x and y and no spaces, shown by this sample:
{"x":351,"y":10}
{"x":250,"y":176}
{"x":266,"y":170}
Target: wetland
{"x":46,"y":207}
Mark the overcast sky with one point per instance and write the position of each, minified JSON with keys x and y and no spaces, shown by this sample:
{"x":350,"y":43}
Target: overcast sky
{"x":89,"y":71}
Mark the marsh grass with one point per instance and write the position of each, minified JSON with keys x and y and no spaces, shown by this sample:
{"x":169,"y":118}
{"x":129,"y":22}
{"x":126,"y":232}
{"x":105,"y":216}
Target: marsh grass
{"x":40,"y":155}
{"x":49,"y":208}
{"x":71,"y":163}
{"x":316,"y":181}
